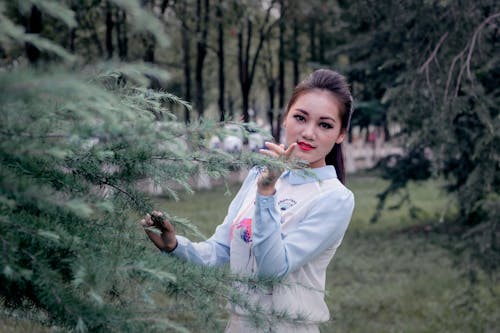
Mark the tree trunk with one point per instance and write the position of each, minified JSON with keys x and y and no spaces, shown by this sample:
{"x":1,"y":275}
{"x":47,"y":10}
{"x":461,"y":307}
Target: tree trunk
{"x":121,"y":34}
{"x":109,"y":30}
{"x":34,"y":27}
{"x":245,"y":65}
{"x":321,"y":42}
{"x":243,"y":58}
{"x":150,"y":45}
{"x":281,"y":73}
{"x":268,"y":68}
{"x":220,"y":55}
{"x":95,"y":37}
{"x":72,"y":36}
{"x":164,"y":5}
{"x":201,"y":46}
{"x":186,"y":55}
{"x":295,"y":53}
{"x":230,"y":105}
{"x":281,"y":65}
{"x":271,"y":90}
{"x":312,"y":39}
{"x":147,"y":38}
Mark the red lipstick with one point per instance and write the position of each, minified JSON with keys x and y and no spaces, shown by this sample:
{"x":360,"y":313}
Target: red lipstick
{"x":305,"y":146}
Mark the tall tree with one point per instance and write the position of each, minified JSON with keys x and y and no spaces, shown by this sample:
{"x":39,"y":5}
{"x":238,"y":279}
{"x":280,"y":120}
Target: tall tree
{"x":271,"y":82}
{"x":295,"y":51}
{"x":109,"y":29}
{"x":220,"y":57}
{"x":34,"y":26}
{"x":202,"y":21}
{"x":184,"y":15}
{"x":281,"y":68}
{"x":148,"y":39}
{"x":121,"y":34}
{"x":312,"y":38}
{"x":247,"y":60}
{"x":74,"y":146}
{"x":438,"y":86}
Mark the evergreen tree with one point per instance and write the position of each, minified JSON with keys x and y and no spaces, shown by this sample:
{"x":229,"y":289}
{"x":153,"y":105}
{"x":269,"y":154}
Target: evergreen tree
{"x":76,"y":141}
{"x":432,"y":67}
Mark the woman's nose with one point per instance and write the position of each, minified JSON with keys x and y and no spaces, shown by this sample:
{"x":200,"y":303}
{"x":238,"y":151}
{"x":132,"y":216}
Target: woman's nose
{"x":308,"y":132}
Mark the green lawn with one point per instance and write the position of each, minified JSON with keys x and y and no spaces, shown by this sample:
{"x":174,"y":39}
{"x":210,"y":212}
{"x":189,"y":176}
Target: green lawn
{"x":386,"y":277}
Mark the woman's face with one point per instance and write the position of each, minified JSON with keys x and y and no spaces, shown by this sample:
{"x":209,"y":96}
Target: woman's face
{"x":314,"y":123}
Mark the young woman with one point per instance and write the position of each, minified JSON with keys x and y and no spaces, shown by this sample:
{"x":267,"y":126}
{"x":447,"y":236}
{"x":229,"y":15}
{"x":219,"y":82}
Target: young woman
{"x":286,"y":224}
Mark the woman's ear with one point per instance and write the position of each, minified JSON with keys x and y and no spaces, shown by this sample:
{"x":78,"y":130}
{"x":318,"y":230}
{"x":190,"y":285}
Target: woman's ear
{"x":341,"y":136}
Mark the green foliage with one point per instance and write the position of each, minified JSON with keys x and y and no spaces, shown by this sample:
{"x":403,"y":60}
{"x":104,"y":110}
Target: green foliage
{"x":70,"y":13}
{"x":401,"y":170}
{"x":77,"y":140}
{"x":143,"y":20}
{"x":76,"y":144}
{"x":12,"y":33}
{"x":53,"y":8}
{"x":73,"y":151}
{"x":434,"y":72}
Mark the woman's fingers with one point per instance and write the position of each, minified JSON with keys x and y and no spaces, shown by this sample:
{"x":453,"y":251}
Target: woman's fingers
{"x":164,"y":239}
{"x":275,"y":150}
{"x":268,"y":153}
{"x":147,"y":221}
{"x":155,"y":238}
{"x":290,"y":150}
{"x":278,"y":149}
{"x":156,"y":219}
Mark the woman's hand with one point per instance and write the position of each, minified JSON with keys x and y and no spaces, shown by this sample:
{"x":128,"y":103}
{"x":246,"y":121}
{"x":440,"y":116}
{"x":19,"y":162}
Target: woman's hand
{"x":166,"y":240}
{"x":268,"y":178}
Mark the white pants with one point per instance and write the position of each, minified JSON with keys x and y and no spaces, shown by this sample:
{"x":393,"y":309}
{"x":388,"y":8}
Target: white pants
{"x":240,"y":324}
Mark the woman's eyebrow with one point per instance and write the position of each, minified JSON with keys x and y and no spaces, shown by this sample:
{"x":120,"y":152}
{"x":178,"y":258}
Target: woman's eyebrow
{"x":329,"y":118}
{"x":322,"y":118}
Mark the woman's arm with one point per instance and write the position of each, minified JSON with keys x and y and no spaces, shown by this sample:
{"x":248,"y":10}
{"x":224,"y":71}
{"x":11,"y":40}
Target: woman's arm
{"x":324,"y":226}
{"x":215,"y":250}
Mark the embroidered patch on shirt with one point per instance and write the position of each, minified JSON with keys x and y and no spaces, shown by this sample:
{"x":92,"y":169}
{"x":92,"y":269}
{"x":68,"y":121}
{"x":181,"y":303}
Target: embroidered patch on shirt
{"x":286,"y":204}
{"x":244,"y":227}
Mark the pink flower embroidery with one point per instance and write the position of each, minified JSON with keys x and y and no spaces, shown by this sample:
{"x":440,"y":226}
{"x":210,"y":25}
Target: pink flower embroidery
{"x":245,"y":227}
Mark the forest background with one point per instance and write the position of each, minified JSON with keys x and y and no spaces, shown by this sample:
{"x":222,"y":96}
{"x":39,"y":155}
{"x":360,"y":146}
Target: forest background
{"x":91,"y":90}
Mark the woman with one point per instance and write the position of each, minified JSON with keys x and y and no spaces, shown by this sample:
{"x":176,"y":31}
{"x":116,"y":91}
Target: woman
{"x":287,"y":224}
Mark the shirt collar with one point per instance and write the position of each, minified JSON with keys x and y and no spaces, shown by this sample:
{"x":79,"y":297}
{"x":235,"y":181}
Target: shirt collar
{"x":303,"y":176}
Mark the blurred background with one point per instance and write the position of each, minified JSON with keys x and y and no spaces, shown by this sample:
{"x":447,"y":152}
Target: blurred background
{"x":422,"y":250}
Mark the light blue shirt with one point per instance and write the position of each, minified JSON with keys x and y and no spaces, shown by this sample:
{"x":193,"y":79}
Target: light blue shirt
{"x":277,"y":254}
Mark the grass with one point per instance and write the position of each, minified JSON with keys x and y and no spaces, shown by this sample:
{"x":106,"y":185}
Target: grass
{"x":391,"y":276}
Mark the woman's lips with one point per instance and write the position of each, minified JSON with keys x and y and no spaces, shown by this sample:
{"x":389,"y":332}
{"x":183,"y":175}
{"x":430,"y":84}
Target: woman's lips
{"x":305,"y":146}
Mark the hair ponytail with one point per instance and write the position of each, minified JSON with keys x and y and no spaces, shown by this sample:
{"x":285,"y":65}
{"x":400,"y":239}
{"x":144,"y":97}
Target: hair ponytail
{"x":336,"y":158}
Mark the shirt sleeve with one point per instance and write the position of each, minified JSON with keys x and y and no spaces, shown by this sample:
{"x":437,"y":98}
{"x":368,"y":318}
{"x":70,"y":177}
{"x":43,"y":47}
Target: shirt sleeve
{"x":324,"y":226}
{"x":215,"y":250}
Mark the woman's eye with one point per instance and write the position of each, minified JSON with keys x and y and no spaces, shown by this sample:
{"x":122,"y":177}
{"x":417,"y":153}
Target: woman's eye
{"x":299,"y":117}
{"x":325,"y":125}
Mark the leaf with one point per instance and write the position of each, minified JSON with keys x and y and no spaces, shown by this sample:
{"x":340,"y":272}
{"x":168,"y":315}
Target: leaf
{"x":57,"y":11}
{"x":96,"y":297}
{"x":8,"y":271}
{"x":80,"y":326}
{"x":49,"y":235}
{"x":160,"y":275}
{"x":79,"y":207}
